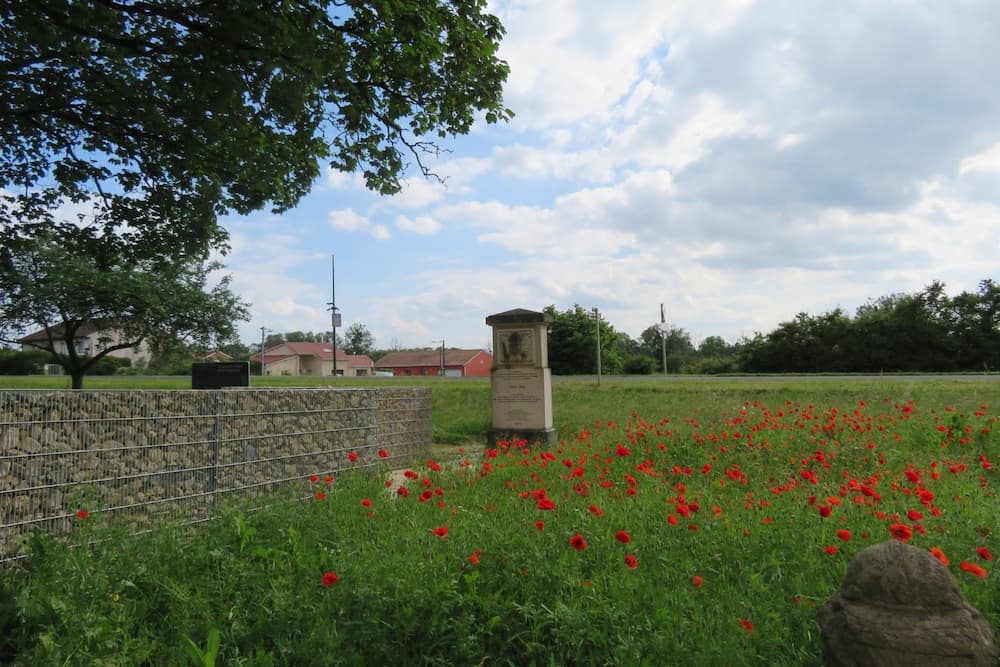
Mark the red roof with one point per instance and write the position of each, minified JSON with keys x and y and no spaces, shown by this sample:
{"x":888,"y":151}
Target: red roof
{"x":427,"y":358}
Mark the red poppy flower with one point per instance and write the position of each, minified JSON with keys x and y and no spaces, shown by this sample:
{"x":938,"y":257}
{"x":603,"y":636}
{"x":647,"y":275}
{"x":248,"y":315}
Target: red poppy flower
{"x":434,"y":465}
{"x":937,"y":553}
{"x":441,"y":532}
{"x":623,"y":537}
{"x":972,"y":569}
{"x":747,"y":625}
{"x":328,"y":479}
{"x":577,"y":542}
{"x":825,"y":511}
{"x":698,"y":581}
{"x":983,"y":552}
{"x":474,"y":559}
{"x":672,"y":520}
{"x":313,"y":478}
{"x":845,"y":535}
{"x":383,"y":454}
{"x":366,"y":503}
{"x":352,"y":457}
{"x":545,"y":504}
{"x":330,"y":578}
{"x":82,"y":514}
{"x":914,"y":515}
{"x":901,"y":532}
{"x":540,"y":525}
{"x":403,"y":491}
{"x":631,"y":561}
{"x":831,"y":550}
{"x":596,"y":511}
{"x":320,"y":496}
{"x":409,"y":474}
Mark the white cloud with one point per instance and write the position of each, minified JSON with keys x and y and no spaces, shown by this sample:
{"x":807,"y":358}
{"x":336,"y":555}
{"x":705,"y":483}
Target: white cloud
{"x":349,"y":221}
{"x":987,"y":161}
{"x":423,"y":225}
{"x":573,"y":60}
{"x":339,"y":180}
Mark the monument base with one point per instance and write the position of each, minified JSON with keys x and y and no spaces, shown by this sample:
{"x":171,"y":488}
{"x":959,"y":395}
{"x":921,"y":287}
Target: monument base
{"x":542,"y":437}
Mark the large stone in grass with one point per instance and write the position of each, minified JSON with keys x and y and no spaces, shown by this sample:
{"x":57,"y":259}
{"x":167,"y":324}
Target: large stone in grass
{"x":900,"y":606}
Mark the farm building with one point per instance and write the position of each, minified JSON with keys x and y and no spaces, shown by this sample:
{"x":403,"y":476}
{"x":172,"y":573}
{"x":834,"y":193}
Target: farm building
{"x":456,"y":363}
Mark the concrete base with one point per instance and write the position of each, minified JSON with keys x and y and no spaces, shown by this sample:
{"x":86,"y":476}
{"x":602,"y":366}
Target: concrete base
{"x":541,"y":437}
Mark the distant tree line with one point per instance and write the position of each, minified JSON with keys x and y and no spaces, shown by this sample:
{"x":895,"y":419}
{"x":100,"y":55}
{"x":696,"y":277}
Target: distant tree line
{"x":922,"y":331}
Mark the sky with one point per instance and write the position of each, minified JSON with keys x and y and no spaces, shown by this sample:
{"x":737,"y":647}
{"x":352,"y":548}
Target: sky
{"x":739,"y":162}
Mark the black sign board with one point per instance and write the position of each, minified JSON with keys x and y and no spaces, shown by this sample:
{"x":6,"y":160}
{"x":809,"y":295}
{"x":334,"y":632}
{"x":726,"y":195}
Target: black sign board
{"x":219,"y":374}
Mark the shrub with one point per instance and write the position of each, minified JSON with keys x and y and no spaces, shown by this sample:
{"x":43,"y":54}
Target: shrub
{"x":27,"y":362}
{"x":639,"y":364}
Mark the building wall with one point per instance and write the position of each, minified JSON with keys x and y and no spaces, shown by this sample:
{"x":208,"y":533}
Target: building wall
{"x":479,"y":365}
{"x":92,"y":344}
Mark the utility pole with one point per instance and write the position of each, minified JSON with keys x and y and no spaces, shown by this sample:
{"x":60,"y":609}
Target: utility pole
{"x":597,"y":323}
{"x":663,"y":336}
{"x":442,"y":355}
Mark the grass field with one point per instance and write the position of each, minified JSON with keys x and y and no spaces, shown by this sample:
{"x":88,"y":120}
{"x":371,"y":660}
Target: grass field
{"x":694,"y":523}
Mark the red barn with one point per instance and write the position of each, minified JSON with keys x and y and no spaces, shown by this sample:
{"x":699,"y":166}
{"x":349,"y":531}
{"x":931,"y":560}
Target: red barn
{"x":457,"y":363}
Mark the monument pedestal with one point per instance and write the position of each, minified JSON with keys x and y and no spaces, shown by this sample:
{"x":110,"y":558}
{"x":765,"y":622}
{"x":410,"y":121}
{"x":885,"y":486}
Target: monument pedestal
{"x":520,"y":380}
{"x":522,"y":405}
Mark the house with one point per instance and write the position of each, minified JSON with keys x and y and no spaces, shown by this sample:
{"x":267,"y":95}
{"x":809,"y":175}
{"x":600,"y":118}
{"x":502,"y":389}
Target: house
{"x":217,"y":355}
{"x":457,"y":363}
{"x":313,"y":359}
{"x":89,"y":341}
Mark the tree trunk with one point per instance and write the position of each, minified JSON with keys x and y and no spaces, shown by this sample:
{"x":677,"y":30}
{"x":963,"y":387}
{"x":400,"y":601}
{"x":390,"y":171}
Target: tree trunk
{"x":77,"y":379}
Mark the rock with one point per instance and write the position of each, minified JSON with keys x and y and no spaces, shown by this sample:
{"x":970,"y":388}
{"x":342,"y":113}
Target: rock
{"x":900,"y":606}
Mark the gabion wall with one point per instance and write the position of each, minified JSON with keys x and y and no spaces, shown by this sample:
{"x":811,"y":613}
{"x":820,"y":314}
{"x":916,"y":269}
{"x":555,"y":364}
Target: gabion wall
{"x":168,"y":455}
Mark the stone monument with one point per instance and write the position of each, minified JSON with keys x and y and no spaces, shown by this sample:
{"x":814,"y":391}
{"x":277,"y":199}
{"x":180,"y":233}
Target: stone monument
{"x":520,"y":379}
{"x":899,"y":606}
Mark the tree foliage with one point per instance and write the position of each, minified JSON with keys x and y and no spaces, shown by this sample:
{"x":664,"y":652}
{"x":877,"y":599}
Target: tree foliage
{"x":923,"y":331}
{"x":358,"y":340}
{"x":156,"y":117}
{"x":573,"y":343}
{"x":58,"y":288}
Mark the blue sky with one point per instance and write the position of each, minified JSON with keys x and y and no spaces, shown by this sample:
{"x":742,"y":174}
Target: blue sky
{"x":739,"y":162}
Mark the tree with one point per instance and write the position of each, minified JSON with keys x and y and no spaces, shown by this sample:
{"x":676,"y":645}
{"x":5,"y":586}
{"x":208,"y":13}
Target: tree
{"x":160,"y":116}
{"x":60,"y":289}
{"x":358,"y":340}
{"x":679,"y":346}
{"x":573,"y":345}
{"x":714,"y":346}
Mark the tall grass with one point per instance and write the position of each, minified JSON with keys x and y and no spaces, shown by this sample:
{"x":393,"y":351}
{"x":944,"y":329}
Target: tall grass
{"x":674,"y":523}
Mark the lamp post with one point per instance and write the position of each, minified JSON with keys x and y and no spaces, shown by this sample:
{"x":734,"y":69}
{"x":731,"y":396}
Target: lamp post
{"x":263,"y":330}
{"x":334,"y":315}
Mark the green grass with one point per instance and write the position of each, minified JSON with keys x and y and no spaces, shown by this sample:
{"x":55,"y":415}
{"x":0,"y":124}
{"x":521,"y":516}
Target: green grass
{"x":720,"y":480}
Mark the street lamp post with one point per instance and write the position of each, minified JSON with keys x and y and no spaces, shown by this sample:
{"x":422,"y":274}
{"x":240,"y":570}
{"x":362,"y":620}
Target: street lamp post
{"x":263,"y":330}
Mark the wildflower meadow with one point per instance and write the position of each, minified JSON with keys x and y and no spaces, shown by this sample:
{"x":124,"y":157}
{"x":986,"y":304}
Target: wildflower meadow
{"x":680,"y":531}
